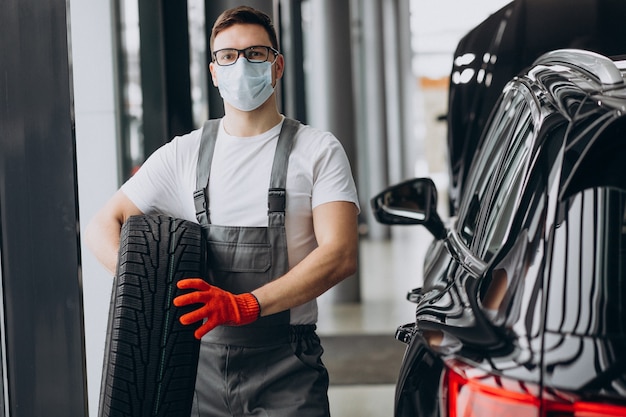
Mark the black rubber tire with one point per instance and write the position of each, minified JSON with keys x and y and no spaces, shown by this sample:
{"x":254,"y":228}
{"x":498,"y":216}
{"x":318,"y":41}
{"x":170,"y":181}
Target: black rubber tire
{"x":150,"y":359}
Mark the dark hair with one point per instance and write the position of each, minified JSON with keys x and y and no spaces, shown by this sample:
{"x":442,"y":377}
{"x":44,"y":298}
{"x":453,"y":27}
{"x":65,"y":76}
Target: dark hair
{"x":245,"y":15}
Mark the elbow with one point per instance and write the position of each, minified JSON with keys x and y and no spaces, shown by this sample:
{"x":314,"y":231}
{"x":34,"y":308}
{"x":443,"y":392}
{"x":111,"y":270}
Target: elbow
{"x":349,"y":263}
{"x":89,"y":236}
{"x":94,"y":233}
{"x":352,"y":265}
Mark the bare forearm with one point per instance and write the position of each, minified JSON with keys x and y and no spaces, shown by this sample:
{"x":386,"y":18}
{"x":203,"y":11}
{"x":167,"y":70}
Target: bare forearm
{"x":333,"y":260}
{"x":316,"y":274}
{"x":102,"y":234}
{"x":103,"y":239}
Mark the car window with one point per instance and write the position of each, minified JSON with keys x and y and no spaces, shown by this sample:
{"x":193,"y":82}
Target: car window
{"x":487,"y":160}
{"x":596,"y":155}
{"x":587,"y":287}
{"x":511,"y":291}
{"x":587,"y":292}
{"x":507,"y":188}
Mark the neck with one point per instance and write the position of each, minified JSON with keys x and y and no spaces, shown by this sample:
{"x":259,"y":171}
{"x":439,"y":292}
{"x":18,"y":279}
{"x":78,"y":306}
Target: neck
{"x":251,"y":123}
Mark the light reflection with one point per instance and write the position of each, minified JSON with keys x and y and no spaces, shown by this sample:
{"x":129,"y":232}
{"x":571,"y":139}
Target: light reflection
{"x":130,"y":59}
{"x":467,"y":75}
{"x":480,"y":76}
{"x":462,"y":77}
{"x":464,"y":59}
{"x":488,"y":79}
{"x":198,"y":65}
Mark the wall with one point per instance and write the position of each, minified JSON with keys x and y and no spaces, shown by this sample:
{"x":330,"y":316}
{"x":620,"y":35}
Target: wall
{"x":93,"y":71}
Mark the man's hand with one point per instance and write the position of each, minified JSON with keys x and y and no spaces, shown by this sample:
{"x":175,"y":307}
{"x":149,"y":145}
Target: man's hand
{"x":220,"y":307}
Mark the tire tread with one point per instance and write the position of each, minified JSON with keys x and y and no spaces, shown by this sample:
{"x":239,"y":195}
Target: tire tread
{"x":151,"y":359}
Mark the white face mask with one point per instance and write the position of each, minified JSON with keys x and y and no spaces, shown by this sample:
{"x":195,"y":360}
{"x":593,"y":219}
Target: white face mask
{"x":245,"y":85}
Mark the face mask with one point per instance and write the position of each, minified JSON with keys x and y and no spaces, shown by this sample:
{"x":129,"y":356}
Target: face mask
{"x":245,"y":85}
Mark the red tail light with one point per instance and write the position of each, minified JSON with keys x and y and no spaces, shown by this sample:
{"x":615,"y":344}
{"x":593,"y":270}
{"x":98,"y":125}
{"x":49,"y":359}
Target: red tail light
{"x":469,"y":392}
{"x":584,"y":409}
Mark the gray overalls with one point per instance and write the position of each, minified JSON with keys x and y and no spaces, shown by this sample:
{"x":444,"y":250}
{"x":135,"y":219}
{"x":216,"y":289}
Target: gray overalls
{"x":267,"y":368}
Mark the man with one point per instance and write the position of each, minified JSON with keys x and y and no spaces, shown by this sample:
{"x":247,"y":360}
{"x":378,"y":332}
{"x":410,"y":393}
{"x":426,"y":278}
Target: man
{"x":259,"y":353}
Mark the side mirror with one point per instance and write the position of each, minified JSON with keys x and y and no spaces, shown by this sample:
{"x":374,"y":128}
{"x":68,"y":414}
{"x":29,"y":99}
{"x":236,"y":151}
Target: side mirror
{"x":410,"y":202}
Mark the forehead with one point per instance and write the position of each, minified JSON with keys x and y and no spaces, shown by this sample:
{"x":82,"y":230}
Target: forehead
{"x":241,"y":36}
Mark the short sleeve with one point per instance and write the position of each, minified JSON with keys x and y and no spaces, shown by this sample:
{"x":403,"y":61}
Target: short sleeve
{"x":165,"y":182}
{"x":332,"y":174}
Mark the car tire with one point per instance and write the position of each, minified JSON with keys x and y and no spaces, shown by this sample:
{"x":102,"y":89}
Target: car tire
{"x":150,"y":359}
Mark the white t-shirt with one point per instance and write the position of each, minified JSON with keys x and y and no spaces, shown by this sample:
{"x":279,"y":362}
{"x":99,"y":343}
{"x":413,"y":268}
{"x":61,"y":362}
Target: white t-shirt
{"x":319,"y":172}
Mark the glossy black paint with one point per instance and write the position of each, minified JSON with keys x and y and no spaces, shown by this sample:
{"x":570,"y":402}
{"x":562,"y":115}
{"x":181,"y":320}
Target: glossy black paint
{"x":506,"y":43}
{"x":529,"y":282}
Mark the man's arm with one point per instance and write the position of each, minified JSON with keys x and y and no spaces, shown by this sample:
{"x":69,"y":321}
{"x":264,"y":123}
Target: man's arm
{"x":334,"y":259}
{"x":102,"y":234}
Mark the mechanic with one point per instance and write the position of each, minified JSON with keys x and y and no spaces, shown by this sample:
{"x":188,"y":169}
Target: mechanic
{"x":280,"y":217}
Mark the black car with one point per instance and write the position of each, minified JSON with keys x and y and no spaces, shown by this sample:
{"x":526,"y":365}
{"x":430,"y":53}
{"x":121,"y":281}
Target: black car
{"x":522,"y":311}
{"x":506,"y":43}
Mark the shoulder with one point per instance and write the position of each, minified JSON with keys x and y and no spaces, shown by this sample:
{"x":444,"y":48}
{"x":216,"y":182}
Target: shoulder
{"x":313,"y":140}
{"x":307,"y":132}
{"x":321,"y":148}
{"x":179,"y":145}
{"x":187,"y":141}
{"x":181,"y":149}
{"x":175,"y":156}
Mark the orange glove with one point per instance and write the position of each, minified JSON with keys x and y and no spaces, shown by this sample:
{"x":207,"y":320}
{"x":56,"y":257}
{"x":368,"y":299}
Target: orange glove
{"x":220,"y":307}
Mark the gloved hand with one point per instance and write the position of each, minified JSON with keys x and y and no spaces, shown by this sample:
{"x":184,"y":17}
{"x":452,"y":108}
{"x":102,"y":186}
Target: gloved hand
{"x":220,"y":307}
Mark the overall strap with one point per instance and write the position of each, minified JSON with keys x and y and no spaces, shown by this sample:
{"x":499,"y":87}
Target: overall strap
{"x":276,"y":198}
{"x":203,"y":170}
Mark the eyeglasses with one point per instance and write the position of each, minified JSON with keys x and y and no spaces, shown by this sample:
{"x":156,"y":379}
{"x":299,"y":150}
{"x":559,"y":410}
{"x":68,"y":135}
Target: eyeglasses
{"x":254,"y":54}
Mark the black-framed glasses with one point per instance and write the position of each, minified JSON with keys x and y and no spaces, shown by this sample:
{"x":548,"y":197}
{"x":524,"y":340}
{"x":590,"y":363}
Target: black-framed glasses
{"x":254,"y":54}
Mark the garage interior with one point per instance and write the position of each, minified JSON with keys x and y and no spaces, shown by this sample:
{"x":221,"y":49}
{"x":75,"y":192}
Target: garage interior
{"x":88,"y":93}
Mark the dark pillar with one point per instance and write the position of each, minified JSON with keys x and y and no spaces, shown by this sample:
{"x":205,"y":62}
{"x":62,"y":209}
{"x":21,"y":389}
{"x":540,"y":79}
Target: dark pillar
{"x":165,"y":78}
{"x":293,"y":97}
{"x":39,"y":241}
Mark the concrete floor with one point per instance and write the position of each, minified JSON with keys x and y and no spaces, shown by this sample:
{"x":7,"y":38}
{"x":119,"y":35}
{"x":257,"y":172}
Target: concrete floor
{"x":388,"y":269}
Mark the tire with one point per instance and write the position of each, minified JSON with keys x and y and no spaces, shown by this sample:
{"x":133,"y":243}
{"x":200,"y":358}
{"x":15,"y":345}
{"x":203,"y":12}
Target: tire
{"x":150,"y":359}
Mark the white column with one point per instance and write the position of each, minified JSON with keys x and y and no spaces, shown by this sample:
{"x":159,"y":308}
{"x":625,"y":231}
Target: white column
{"x":92,"y":50}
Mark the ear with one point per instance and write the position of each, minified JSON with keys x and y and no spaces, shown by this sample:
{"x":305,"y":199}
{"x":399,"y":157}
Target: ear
{"x":212,"y":71}
{"x":279,"y":68}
